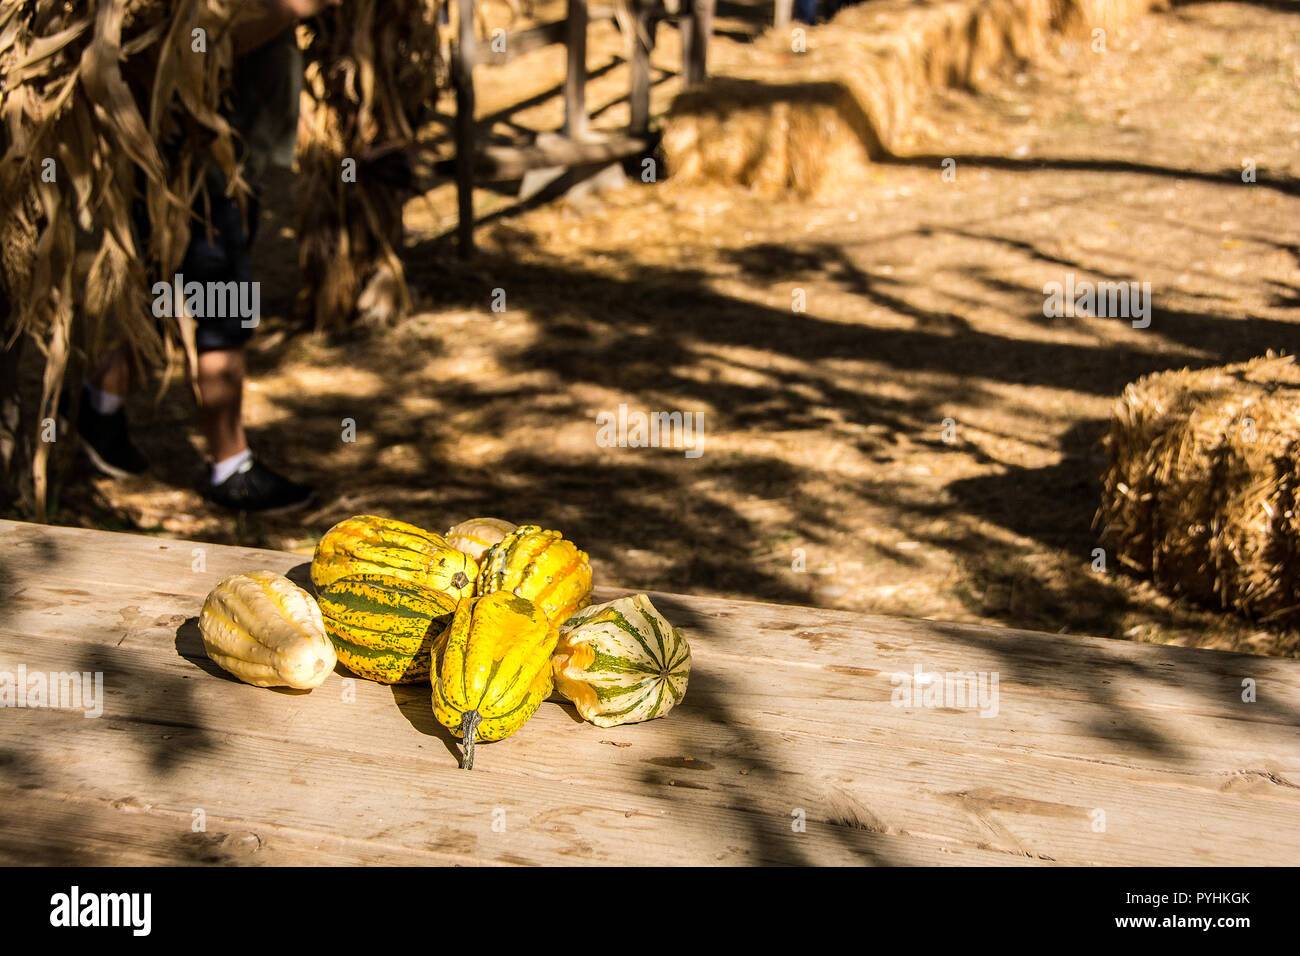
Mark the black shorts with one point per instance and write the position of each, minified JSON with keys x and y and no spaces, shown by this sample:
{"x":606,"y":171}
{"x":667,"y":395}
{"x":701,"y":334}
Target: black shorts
{"x":221,"y":251}
{"x":264,"y":112}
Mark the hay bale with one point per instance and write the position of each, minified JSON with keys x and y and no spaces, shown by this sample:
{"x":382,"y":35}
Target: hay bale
{"x":1084,"y":16}
{"x":808,"y":123}
{"x":1202,"y":492}
{"x":752,"y":134}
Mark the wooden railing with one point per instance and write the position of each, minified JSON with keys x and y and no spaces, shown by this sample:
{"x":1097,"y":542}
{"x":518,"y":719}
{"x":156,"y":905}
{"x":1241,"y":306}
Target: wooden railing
{"x":575,"y":146}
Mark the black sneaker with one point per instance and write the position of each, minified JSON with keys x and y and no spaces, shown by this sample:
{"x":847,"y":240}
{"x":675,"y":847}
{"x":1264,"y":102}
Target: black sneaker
{"x":257,"y":488}
{"x":107,"y":441}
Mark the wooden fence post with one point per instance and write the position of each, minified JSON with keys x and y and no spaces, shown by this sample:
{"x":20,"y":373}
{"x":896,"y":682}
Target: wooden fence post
{"x":462,"y":68}
{"x":686,"y":29}
{"x":784,"y":10}
{"x":575,"y":80}
{"x":697,"y":67}
{"x":640,"y":43}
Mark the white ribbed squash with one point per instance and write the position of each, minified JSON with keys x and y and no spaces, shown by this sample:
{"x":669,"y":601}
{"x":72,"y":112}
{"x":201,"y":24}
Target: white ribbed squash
{"x":476,"y":535}
{"x":267,"y":631}
{"x":621,"y":662}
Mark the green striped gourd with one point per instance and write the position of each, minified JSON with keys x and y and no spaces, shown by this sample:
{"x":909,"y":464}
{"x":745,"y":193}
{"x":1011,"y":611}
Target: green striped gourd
{"x":476,"y":535}
{"x":621,"y":662}
{"x":366,"y":544}
{"x":541,"y":566}
{"x":384,"y":628}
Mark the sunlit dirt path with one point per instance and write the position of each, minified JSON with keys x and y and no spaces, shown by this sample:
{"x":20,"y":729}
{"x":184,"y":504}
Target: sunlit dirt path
{"x":917,"y":440}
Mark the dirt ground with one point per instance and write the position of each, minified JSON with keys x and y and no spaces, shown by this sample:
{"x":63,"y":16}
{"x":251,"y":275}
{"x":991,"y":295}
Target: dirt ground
{"x":825,"y":477}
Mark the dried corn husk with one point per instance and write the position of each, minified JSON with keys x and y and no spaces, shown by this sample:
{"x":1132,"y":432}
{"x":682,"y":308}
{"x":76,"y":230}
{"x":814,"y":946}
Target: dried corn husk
{"x":88,"y":91}
{"x":371,"y":71}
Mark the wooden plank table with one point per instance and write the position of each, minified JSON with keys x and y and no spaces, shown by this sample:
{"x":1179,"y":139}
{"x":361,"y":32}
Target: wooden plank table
{"x":789,"y":747}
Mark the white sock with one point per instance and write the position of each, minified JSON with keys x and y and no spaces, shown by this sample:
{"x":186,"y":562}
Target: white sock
{"x":223,"y":469}
{"x":104,"y":403}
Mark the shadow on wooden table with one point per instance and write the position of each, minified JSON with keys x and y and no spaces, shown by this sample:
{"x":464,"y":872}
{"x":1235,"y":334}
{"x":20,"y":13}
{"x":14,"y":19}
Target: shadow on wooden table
{"x":189,"y":645}
{"x":67,"y":830}
{"x":771,"y":837}
{"x":300,"y":574}
{"x":415,"y":701}
{"x":1102,"y":676}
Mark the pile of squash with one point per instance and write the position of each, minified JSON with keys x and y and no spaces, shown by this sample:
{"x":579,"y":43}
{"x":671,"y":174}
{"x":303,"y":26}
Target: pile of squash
{"x":496,"y":617}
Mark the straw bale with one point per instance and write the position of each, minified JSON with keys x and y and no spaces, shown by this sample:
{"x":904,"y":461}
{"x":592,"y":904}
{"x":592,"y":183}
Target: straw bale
{"x":1084,"y":16}
{"x":808,"y":123}
{"x":1203,"y":484}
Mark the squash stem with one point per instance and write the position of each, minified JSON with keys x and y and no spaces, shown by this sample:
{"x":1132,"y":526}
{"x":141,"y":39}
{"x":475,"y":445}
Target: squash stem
{"x":468,"y":728}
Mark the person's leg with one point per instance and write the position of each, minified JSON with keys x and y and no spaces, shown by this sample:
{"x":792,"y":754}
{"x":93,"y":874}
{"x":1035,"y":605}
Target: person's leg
{"x":101,"y":418}
{"x":265,"y":111}
{"x":113,"y":377}
{"x":220,"y":413}
{"x":236,"y":479}
{"x":221,"y":387}
{"x":222,"y":255}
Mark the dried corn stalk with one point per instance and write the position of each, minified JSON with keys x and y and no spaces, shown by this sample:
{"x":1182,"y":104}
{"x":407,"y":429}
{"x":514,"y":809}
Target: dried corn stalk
{"x":372,"y":70}
{"x":88,"y":92}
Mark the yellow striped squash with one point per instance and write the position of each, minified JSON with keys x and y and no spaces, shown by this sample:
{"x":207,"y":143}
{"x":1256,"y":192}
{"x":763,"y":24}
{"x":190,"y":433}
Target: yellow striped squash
{"x":621,"y":662}
{"x":267,"y":631}
{"x":542,"y":566}
{"x":476,"y":535}
{"x":492,"y":668}
{"x":366,"y":544}
{"x":384,"y":628}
